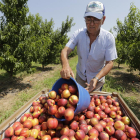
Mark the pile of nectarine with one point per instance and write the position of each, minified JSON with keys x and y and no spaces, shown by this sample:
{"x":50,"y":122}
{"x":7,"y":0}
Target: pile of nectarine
{"x":102,"y":120}
{"x":64,"y":103}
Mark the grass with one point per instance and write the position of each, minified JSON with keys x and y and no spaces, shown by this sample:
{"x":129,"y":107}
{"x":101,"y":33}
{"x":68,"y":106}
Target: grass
{"x":111,"y":85}
{"x":134,"y":104}
{"x":116,"y":81}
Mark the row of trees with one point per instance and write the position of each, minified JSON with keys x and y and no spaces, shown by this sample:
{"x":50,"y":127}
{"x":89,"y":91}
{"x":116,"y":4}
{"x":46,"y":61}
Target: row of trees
{"x":128,"y":39}
{"x":24,"y":39}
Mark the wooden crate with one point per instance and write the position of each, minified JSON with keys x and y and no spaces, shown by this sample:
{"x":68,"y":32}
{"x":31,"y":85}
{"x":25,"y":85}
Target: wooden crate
{"x":135,"y":123}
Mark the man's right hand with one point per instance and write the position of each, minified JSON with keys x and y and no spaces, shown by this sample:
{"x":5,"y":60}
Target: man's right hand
{"x":66,"y":73}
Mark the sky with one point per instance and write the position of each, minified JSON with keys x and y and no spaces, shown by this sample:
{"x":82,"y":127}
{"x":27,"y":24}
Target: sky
{"x":60,"y":9}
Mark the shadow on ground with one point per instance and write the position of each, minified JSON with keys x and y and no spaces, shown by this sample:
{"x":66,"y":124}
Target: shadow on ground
{"x":43,"y":69}
{"x":123,"y":80}
{"x":116,"y":67}
{"x":14,"y":84}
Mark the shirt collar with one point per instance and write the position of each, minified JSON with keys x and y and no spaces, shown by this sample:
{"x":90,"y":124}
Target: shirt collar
{"x":99,"y":32}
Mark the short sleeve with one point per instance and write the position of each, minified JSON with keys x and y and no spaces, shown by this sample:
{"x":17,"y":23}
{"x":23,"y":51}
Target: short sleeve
{"x":111,"y":52}
{"x":73,"y":41}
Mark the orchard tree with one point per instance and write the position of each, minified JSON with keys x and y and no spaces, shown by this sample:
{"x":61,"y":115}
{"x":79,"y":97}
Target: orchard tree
{"x":128,"y":35}
{"x":122,"y":57}
{"x":48,"y":43}
{"x":43,"y":42}
{"x":120,"y":50}
{"x":40,"y":38}
{"x":58,"y":39}
{"x":15,"y":46}
{"x":25,"y":39}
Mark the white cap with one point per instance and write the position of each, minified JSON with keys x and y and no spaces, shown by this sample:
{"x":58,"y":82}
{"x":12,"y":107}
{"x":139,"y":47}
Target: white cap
{"x":95,"y":9}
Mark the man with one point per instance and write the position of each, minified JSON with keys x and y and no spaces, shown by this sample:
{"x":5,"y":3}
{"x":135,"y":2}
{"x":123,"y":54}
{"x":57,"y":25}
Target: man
{"x":95,"y":48}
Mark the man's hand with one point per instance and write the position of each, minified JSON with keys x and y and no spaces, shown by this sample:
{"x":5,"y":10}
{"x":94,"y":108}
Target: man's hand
{"x":104,"y":71}
{"x":90,"y":87}
{"x":66,"y":73}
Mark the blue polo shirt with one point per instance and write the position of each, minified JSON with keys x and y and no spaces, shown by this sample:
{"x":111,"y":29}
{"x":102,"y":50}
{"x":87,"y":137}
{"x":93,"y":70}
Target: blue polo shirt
{"x":91,"y":61}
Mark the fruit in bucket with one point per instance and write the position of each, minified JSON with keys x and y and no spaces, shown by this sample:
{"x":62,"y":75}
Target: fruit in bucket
{"x":64,"y":86}
{"x":52,"y":94}
{"x":62,"y":102}
{"x":67,"y":100}
{"x":73,"y":89}
{"x":61,"y":110}
{"x":73,"y":99}
{"x":65,"y":94}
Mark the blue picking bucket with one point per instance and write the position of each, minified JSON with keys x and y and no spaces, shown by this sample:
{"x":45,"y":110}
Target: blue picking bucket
{"x":84,"y":97}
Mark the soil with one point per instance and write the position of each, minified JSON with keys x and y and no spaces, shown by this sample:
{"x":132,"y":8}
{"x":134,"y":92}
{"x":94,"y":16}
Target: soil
{"x":11,"y":87}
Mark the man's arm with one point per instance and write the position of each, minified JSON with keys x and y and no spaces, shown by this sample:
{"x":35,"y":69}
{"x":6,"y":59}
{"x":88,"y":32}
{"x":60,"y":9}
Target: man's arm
{"x":66,"y":71}
{"x":104,"y":71}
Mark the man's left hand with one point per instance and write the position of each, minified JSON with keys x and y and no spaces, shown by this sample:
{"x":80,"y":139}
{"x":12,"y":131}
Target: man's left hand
{"x":90,"y":87}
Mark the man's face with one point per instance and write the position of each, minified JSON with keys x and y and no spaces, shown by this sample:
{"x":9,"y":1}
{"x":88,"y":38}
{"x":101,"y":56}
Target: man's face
{"x":93,"y":24}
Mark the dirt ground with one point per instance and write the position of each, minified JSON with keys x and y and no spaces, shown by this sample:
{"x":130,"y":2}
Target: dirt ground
{"x":11,"y":87}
